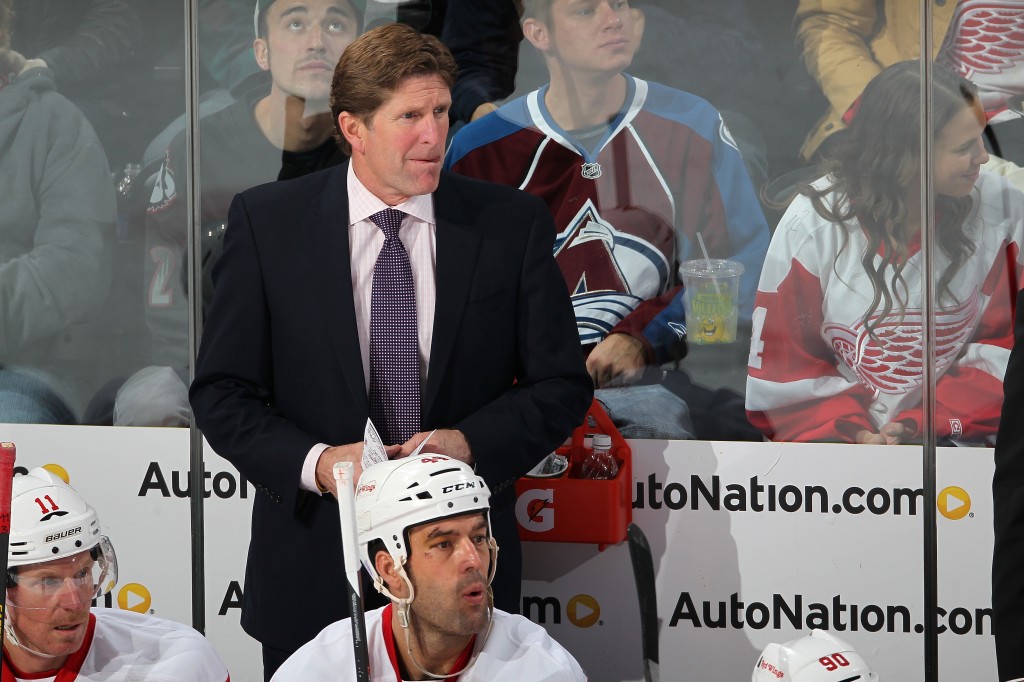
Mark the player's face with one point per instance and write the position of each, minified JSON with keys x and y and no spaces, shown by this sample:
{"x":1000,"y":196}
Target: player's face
{"x":449,"y":561}
{"x":399,"y":153}
{"x":959,"y":152}
{"x":49,"y":608}
{"x":592,"y":35}
{"x":305,"y":39}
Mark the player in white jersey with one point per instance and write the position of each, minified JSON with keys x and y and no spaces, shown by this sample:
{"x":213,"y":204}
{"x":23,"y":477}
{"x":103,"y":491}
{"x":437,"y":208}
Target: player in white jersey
{"x":424,"y":538}
{"x":59,"y":561}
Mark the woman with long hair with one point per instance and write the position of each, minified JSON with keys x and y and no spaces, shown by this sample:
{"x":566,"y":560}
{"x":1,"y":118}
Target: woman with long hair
{"x":837,"y":353}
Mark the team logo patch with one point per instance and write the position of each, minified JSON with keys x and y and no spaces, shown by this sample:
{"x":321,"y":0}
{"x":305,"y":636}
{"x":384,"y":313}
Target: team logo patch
{"x":892,"y":362}
{"x":591,"y":171}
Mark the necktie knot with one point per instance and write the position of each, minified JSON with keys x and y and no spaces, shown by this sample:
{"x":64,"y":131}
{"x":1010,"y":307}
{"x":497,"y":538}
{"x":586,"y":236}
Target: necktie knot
{"x":388,"y":220}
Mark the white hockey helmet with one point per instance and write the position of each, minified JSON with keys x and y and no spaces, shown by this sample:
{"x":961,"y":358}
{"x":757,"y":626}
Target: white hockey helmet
{"x":396,"y":495}
{"x":818,"y":657}
{"x":50,"y":520}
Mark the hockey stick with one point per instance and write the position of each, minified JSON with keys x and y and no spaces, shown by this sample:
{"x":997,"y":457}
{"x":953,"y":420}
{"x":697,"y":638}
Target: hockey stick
{"x":349,"y":542}
{"x":643,"y":571}
{"x":6,"y":474}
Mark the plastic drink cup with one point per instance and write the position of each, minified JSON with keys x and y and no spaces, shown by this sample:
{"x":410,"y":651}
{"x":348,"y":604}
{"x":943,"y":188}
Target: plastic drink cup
{"x":711,"y":298}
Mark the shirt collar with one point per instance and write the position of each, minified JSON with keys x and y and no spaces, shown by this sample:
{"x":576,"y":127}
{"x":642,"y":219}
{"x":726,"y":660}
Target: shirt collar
{"x":362,"y":203}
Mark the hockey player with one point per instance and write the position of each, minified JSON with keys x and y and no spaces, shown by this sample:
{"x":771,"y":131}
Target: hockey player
{"x":424,"y":538}
{"x":636,"y":175}
{"x":837,"y":353}
{"x":59,"y":561}
{"x":818,"y":657}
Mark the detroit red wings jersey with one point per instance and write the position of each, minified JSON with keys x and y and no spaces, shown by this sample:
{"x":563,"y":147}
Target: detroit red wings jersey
{"x":628,"y":204}
{"x":514,"y":650}
{"x":985,"y":44}
{"x":815,"y":373}
{"x":123,"y":646}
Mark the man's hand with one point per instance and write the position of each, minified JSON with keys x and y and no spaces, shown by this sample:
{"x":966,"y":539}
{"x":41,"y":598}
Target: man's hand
{"x":483,"y":110}
{"x":444,"y":442}
{"x":353,"y":452}
{"x":617,"y":360}
{"x":892,"y":433}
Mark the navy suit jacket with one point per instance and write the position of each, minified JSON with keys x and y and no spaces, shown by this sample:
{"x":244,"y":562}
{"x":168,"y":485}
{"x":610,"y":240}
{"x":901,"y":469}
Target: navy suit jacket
{"x":279,"y":369}
{"x":1008,"y":515}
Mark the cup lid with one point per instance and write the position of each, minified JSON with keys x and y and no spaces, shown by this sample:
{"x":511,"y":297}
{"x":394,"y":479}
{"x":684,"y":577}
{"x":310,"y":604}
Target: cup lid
{"x":713,"y":267}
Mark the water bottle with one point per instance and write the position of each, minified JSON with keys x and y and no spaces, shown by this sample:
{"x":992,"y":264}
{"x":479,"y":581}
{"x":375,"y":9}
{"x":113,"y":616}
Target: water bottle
{"x":600,"y":464}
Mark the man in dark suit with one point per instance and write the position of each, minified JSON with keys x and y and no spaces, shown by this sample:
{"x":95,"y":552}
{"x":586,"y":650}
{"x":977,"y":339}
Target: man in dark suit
{"x":1008,"y":516}
{"x":290,"y":364}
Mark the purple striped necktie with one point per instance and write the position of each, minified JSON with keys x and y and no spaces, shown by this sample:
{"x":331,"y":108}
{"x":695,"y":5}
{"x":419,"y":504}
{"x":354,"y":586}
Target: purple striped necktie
{"x":394,"y":338}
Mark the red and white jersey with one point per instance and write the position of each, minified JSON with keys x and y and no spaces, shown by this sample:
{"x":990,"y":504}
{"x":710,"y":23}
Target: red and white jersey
{"x":816,"y":374}
{"x":985,"y":44}
{"x":124,"y":646}
{"x":515,"y":650}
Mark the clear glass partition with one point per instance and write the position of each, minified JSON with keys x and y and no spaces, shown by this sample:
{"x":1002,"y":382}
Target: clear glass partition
{"x":791,"y":247}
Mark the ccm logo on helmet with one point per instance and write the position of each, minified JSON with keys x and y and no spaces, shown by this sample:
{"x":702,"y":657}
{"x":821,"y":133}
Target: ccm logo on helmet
{"x":457,"y":486}
{"x":59,"y":536}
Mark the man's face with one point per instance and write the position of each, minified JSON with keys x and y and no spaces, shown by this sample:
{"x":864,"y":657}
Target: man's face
{"x":304,"y":41}
{"x":449,"y":561}
{"x":591,"y":35}
{"x":398,"y":153}
{"x":49,"y":605}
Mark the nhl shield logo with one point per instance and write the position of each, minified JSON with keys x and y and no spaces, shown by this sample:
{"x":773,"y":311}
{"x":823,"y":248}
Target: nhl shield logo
{"x":591,"y":171}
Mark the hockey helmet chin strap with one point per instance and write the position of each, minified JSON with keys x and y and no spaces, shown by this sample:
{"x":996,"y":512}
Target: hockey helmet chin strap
{"x":404,"y":614}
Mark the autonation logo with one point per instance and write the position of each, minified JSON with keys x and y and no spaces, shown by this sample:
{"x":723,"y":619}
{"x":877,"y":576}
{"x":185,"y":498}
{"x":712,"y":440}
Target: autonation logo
{"x":753,"y":496}
{"x":838,"y":614}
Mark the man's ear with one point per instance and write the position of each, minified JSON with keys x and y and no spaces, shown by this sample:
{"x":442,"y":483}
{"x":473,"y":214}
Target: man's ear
{"x":388,"y":571}
{"x":537,"y":33}
{"x":353,"y":130}
{"x":262,"y":53}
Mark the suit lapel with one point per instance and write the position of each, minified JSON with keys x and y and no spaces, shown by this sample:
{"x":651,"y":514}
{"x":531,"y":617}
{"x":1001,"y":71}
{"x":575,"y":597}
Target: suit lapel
{"x":331,"y":271}
{"x":457,"y":246}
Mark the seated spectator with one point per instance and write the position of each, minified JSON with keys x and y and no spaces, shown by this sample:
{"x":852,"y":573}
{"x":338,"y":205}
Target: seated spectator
{"x":56,"y":226}
{"x":636,"y":175}
{"x":846,"y":44}
{"x":837,"y":353}
{"x":432,"y":555}
{"x":58,"y":564}
{"x":276,"y":131}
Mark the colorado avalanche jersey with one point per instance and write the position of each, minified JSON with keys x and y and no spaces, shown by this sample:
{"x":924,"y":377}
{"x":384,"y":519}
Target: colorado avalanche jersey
{"x":123,"y":646}
{"x":514,"y":650}
{"x":629,"y":207}
{"x":816,"y":374}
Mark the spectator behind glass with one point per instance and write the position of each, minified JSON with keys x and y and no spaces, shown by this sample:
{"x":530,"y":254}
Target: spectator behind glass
{"x":276,"y":131}
{"x":56,"y":222}
{"x":483,"y":38}
{"x":633,"y":172}
{"x":836,"y":353}
{"x":91,"y":47}
{"x":847,"y":42}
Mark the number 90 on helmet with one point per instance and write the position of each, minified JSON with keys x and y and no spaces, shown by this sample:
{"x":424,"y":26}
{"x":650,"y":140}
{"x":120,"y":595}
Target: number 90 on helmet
{"x":396,"y":495}
{"x":818,"y":657}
